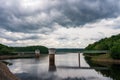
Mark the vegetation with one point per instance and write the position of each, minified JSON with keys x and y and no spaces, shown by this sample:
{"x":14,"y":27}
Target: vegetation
{"x":113,"y":69}
{"x":5,"y":50}
{"x":112,"y":44}
{"x":31,"y":49}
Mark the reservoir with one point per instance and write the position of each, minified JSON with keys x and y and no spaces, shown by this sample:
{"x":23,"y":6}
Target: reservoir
{"x":67,"y":68}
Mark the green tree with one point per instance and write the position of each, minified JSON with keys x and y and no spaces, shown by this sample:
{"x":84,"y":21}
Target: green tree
{"x":112,"y":44}
{"x":115,"y":51}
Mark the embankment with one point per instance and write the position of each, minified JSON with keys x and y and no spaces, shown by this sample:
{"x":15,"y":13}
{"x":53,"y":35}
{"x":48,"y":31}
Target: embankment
{"x":5,"y":73}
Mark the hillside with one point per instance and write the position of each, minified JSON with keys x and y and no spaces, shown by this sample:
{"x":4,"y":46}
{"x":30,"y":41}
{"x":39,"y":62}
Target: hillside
{"x":42,"y":49}
{"x":112,"y":44}
{"x":5,"y":50}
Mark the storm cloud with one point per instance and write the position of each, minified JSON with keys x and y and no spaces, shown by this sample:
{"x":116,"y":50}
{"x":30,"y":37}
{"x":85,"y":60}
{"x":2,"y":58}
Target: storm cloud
{"x":41,"y":20}
{"x":34,"y":15}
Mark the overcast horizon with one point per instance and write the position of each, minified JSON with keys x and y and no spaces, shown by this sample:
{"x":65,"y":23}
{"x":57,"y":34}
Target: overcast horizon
{"x":58,"y":23}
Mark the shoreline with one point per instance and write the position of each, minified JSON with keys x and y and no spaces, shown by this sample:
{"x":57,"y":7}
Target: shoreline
{"x":6,"y":74}
{"x":105,"y":58}
{"x":4,"y":57}
{"x":16,"y":56}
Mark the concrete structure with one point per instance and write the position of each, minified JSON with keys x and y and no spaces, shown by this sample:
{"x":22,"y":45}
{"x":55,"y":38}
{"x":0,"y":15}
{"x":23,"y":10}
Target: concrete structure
{"x":79,"y":59}
{"x":52,"y":52}
{"x":52,"y":66}
{"x":37,"y":53}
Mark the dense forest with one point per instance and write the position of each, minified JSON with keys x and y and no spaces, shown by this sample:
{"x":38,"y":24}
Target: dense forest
{"x":42,"y":49}
{"x":112,"y":44}
{"x":5,"y":50}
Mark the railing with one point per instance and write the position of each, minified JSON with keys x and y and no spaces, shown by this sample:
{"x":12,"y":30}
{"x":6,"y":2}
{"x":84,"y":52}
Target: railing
{"x":52,"y":52}
{"x":84,"y":51}
{"x":52,"y":65}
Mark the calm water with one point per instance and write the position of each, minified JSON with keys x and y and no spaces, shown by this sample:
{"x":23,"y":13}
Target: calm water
{"x":66,"y":69}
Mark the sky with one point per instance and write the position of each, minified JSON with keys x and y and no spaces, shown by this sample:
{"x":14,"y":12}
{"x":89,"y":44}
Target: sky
{"x":58,"y":23}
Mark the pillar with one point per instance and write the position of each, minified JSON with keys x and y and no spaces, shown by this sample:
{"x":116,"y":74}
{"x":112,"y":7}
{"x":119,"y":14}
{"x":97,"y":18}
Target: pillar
{"x":37,"y":53}
{"x":52,"y":66}
{"x":79,"y":59}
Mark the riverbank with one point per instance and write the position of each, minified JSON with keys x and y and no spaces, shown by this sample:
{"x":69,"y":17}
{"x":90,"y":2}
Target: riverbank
{"x":16,"y":56}
{"x":5,"y":73}
{"x":104,"y":58}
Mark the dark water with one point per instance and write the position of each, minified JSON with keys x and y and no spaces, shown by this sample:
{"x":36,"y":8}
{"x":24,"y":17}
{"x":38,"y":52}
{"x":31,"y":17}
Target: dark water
{"x":67,"y":68}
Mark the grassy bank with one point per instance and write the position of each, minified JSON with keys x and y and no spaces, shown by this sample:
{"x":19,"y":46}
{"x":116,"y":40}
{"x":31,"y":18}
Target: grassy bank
{"x":103,"y":58}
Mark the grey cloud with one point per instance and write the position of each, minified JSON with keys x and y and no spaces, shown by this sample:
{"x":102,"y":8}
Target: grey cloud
{"x":13,"y":17}
{"x":116,"y":27}
{"x":95,"y":39}
{"x":15,"y":38}
{"x":81,"y":12}
{"x":24,"y":38}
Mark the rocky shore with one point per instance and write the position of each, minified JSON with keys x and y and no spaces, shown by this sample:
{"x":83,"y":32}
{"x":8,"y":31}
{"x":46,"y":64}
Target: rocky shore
{"x":5,"y":73}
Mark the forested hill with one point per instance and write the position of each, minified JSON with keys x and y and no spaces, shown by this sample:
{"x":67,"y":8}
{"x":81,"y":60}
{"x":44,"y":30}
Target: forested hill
{"x":112,"y":44}
{"x":6,"y":50}
{"x":42,"y":49}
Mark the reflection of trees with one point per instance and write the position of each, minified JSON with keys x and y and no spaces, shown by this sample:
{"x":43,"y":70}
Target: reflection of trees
{"x":88,"y":60}
{"x":113,"y":71}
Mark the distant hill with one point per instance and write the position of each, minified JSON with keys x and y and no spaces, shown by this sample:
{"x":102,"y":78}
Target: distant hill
{"x":5,"y":50}
{"x":112,"y":44}
{"x":42,"y":49}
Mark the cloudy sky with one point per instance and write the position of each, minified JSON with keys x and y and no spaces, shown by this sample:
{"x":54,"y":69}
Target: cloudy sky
{"x":58,"y":23}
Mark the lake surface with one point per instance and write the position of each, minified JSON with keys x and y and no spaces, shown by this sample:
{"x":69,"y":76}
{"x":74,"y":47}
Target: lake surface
{"x":67,"y":68}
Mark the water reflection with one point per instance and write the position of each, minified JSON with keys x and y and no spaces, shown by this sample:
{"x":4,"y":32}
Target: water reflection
{"x":113,"y":71}
{"x":39,"y":69}
{"x":52,"y":65}
{"x":52,"y":68}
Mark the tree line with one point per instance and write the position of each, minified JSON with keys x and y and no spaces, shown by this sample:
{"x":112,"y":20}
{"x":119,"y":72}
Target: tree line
{"x":112,"y":44}
{"x":6,"y":50}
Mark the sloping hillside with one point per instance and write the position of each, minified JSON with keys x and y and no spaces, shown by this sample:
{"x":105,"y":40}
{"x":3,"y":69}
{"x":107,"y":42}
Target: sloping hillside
{"x":112,"y":44}
{"x":5,"y":50}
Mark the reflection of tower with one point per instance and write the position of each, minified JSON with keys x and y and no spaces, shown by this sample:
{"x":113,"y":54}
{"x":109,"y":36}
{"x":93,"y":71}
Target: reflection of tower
{"x":52,"y":66}
{"x":37,"y":53}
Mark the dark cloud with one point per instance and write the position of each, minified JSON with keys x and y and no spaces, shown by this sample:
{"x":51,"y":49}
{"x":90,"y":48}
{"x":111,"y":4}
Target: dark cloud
{"x":13,"y":38}
{"x":84,"y":11}
{"x":10,"y":36}
{"x":16,"y":18}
